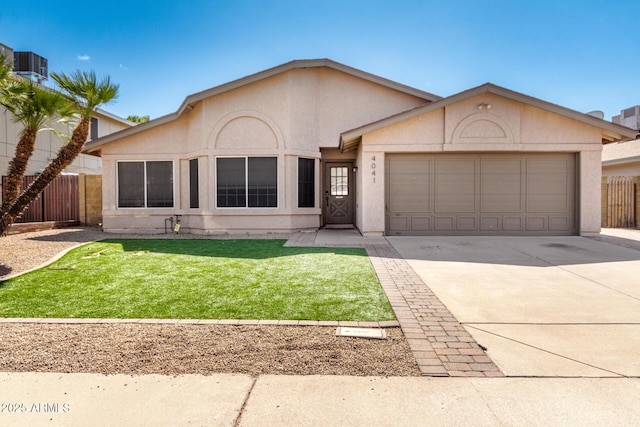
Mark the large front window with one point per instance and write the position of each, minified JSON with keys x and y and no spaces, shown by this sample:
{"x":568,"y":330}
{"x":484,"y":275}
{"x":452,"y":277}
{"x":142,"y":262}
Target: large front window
{"x":145,"y":184}
{"x":247,"y":182}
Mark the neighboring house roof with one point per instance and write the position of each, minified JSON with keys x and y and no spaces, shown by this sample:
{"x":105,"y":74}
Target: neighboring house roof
{"x":190,"y":100}
{"x":112,"y":116}
{"x":621,"y":153}
{"x":611,"y":132}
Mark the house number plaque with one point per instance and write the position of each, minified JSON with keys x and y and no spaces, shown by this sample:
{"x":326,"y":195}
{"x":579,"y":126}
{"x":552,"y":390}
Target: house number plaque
{"x":373,"y":168}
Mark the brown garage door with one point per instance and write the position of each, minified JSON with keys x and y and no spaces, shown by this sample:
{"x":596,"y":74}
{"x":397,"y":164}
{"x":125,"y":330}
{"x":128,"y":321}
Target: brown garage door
{"x":481,"y":194}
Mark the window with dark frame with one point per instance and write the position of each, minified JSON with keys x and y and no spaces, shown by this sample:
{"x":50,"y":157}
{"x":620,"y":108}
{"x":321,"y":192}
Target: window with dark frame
{"x":247,"y":182}
{"x":159,"y":184}
{"x":194,"y":190}
{"x":306,"y":183}
{"x":146,"y":184}
{"x":131,"y":184}
{"x":94,"y":128}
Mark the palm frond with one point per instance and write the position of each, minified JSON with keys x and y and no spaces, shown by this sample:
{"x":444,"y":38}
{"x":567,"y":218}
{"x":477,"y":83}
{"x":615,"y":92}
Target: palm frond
{"x":86,"y":90}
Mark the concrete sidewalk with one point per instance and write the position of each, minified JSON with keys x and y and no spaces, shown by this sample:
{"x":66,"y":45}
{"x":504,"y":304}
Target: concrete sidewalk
{"x":228,"y":400}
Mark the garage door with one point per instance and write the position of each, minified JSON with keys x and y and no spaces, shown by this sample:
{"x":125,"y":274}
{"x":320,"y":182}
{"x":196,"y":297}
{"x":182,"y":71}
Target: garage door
{"x":481,"y":194}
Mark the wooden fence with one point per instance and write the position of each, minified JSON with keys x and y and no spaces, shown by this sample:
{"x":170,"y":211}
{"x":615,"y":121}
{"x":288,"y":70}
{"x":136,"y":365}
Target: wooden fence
{"x":620,"y":200}
{"x":60,"y":201}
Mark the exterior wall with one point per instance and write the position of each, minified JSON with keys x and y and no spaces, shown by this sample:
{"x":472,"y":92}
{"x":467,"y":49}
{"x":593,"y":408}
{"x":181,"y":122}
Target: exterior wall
{"x":48,"y":144}
{"x":621,"y":159}
{"x":290,"y":115}
{"x":508,"y":126}
{"x":589,"y":203}
{"x":626,"y":169}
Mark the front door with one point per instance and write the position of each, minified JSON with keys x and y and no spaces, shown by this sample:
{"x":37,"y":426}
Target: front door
{"x":338,"y":193}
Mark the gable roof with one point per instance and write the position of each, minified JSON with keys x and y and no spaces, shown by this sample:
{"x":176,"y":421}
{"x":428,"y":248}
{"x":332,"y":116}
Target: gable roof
{"x":610,"y":131}
{"x":190,"y":100}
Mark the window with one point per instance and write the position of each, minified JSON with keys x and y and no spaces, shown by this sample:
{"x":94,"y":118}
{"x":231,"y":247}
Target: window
{"x":247,"y":182}
{"x":145,"y":184}
{"x":306,"y":183}
{"x":94,"y":128}
{"x":339,"y":181}
{"x":194,"y":192}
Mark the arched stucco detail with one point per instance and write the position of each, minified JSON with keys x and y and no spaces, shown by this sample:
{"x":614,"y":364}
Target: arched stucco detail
{"x":246,"y":129}
{"x":482,"y":128}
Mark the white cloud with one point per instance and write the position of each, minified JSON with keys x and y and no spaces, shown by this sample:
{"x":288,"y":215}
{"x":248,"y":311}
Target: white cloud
{"x":122,"y":67}
{"x":83,"y":57}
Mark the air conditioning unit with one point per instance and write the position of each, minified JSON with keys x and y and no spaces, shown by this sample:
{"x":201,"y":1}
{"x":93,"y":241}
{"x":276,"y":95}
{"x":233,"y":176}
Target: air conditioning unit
{"x":30,"y":65}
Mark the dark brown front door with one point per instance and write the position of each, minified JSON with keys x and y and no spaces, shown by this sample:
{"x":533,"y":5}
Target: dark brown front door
{"x":338,"y":193}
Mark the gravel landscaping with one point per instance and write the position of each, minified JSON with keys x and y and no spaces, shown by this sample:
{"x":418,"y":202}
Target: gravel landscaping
{"x":179,"y":349}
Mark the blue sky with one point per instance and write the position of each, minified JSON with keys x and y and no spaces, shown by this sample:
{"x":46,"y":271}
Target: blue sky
{"x":581,"y":55}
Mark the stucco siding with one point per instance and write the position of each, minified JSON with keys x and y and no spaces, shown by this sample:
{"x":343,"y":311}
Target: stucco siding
{"x":290,"y":115}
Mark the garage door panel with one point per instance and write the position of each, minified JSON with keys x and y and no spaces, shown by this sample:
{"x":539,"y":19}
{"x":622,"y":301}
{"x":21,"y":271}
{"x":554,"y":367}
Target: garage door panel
{"x":452,"y":184}
{"x":409,"y":203}
{"x":455,"y":166}
{"x":409,"y":190}
{"x":552,"y":183}
{"x":536,"y":223}
{"x":445,"y":223}
{"x":501,"y":166}
{"x":550,"y":165}
{"x":558,"y":223}
{"x":496,"y":183}
{"x":467,"y":223}
{"x":512,"y":223}
{"x":547,"y":203}
{"x":487,"y":194}
{"x":421,"y":223}
{"x":506,"y":202}
{"x":399,"y":223}
{"x":464,"y":203}
{"x":410,"y":164}
{"x":490,"y":223}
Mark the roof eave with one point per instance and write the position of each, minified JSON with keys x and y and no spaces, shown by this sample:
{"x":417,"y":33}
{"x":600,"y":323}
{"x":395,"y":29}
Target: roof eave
{"x":612,"y":132}
{"x":621,"y":161}
{"x":192,"y":99}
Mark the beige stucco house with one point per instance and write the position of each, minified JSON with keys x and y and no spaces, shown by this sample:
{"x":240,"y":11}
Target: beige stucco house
{"x":315,"y":143}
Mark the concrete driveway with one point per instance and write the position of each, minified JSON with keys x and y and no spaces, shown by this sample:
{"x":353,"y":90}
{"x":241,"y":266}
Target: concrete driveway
{"x":542,"y":306}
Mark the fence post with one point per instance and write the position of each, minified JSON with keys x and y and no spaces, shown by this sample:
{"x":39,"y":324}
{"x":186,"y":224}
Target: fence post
{"x":82,"y":198}
{"x":636,"y":181}
{"x":603,"y":203}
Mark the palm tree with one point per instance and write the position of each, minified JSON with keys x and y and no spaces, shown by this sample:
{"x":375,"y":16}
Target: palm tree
{"x":86,"y":92}
{"x":36,"y":109}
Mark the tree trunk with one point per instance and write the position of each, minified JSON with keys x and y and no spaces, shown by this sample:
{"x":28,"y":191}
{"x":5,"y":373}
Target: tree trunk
{"x":17,"y":167}
{"x":66,"y":155}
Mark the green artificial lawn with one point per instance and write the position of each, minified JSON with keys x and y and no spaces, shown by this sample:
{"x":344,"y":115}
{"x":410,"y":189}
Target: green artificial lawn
{"x":200,"y":279}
